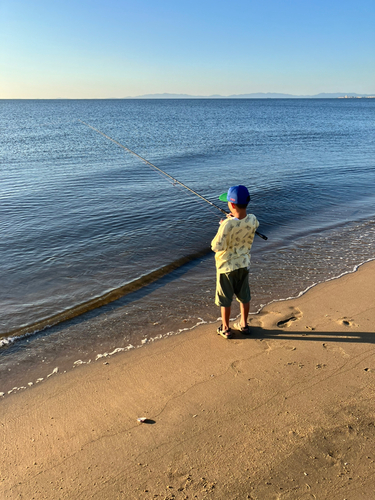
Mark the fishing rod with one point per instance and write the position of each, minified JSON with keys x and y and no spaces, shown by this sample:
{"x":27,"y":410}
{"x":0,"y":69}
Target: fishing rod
{"x":175,"y":181}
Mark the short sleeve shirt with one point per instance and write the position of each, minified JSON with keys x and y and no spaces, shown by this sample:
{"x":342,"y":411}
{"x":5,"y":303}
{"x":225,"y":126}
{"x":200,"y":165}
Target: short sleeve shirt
{"x":232,"y":243}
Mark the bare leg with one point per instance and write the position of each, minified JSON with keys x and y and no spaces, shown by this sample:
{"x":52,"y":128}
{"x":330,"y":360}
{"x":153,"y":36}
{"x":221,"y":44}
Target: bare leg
{"x":245,"y":308}
{"x":225,"y":317}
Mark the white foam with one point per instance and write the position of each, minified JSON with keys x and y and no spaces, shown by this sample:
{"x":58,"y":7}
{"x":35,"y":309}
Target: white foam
{"x":55,"y":370}
{"x":30,"y":384}
{"x":80,"y":362}
{"x":10,"y":340}
{"x":115,"y":351}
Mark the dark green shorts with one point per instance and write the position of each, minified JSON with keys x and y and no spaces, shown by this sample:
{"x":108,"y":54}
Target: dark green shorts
{"x":233,"y":283}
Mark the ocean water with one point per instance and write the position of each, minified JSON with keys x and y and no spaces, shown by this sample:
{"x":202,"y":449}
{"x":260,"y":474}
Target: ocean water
{"x":83,"y":221}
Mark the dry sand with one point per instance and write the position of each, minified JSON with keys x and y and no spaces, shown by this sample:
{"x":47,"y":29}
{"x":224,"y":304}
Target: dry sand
{"x":286,"y":414}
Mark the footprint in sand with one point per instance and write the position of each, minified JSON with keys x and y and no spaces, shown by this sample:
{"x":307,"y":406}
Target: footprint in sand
{"x":294,"y":315}
{"x":334,"y":348}
{"x":346,"y":322}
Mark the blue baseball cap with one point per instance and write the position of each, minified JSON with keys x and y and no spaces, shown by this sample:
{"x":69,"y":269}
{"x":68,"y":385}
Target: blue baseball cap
{"x":238,"y":195}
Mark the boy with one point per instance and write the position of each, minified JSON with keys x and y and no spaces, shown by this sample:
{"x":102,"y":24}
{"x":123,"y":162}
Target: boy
{"x":232,"y":245}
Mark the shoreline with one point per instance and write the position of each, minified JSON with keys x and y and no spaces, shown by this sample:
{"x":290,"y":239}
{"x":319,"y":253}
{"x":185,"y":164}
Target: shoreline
{"x":286,"y":413}
{"x":4,"y":392}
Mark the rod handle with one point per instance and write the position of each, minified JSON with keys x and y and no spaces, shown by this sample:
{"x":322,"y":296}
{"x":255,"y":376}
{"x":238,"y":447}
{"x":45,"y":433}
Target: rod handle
{"x":261,"y":235}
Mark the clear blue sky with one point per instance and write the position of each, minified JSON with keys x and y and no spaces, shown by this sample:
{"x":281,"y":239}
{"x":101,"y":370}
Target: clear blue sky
{"x":119,"y":48}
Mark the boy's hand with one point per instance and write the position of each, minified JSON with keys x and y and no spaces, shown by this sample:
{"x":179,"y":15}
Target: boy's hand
{"x":229,"y":216}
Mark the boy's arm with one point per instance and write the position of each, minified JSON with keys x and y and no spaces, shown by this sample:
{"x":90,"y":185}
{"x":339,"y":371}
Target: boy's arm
{"x":219,"y":243}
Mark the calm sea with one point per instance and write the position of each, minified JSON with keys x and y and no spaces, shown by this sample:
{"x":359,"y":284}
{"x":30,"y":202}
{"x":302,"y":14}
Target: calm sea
{"x":82,"y":220}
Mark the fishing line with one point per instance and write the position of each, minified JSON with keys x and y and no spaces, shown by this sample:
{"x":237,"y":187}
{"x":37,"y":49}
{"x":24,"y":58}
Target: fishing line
{"x":159,"y":170}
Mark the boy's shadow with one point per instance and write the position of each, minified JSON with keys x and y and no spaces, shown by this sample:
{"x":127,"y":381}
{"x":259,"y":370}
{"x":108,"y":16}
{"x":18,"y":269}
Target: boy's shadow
{"x":259,"y":333}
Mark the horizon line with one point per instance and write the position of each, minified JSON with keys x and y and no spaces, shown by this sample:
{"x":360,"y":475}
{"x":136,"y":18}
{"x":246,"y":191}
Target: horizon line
{"x":254,"y":95}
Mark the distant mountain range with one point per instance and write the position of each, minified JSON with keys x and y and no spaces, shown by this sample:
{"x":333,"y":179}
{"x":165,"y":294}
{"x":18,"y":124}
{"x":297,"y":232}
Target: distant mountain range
{"x":258,"y":95}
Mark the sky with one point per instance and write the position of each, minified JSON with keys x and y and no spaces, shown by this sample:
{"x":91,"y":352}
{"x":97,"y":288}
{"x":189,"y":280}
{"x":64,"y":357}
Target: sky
{"x":118,"y":48}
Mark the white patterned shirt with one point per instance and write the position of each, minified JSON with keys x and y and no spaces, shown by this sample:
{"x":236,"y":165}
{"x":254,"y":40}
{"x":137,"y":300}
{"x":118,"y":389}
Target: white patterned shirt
{"x":232,"y":243}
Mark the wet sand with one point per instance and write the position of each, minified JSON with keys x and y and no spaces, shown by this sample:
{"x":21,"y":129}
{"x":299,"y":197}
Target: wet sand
{"x":287,"y":413}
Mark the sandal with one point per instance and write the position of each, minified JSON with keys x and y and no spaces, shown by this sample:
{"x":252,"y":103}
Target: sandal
{"x":227,"y":334}
{"x":243,"y":329}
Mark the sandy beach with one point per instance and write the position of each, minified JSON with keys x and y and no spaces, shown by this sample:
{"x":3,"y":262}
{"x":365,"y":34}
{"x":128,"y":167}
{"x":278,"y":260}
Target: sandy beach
{"x":287,"y":413}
